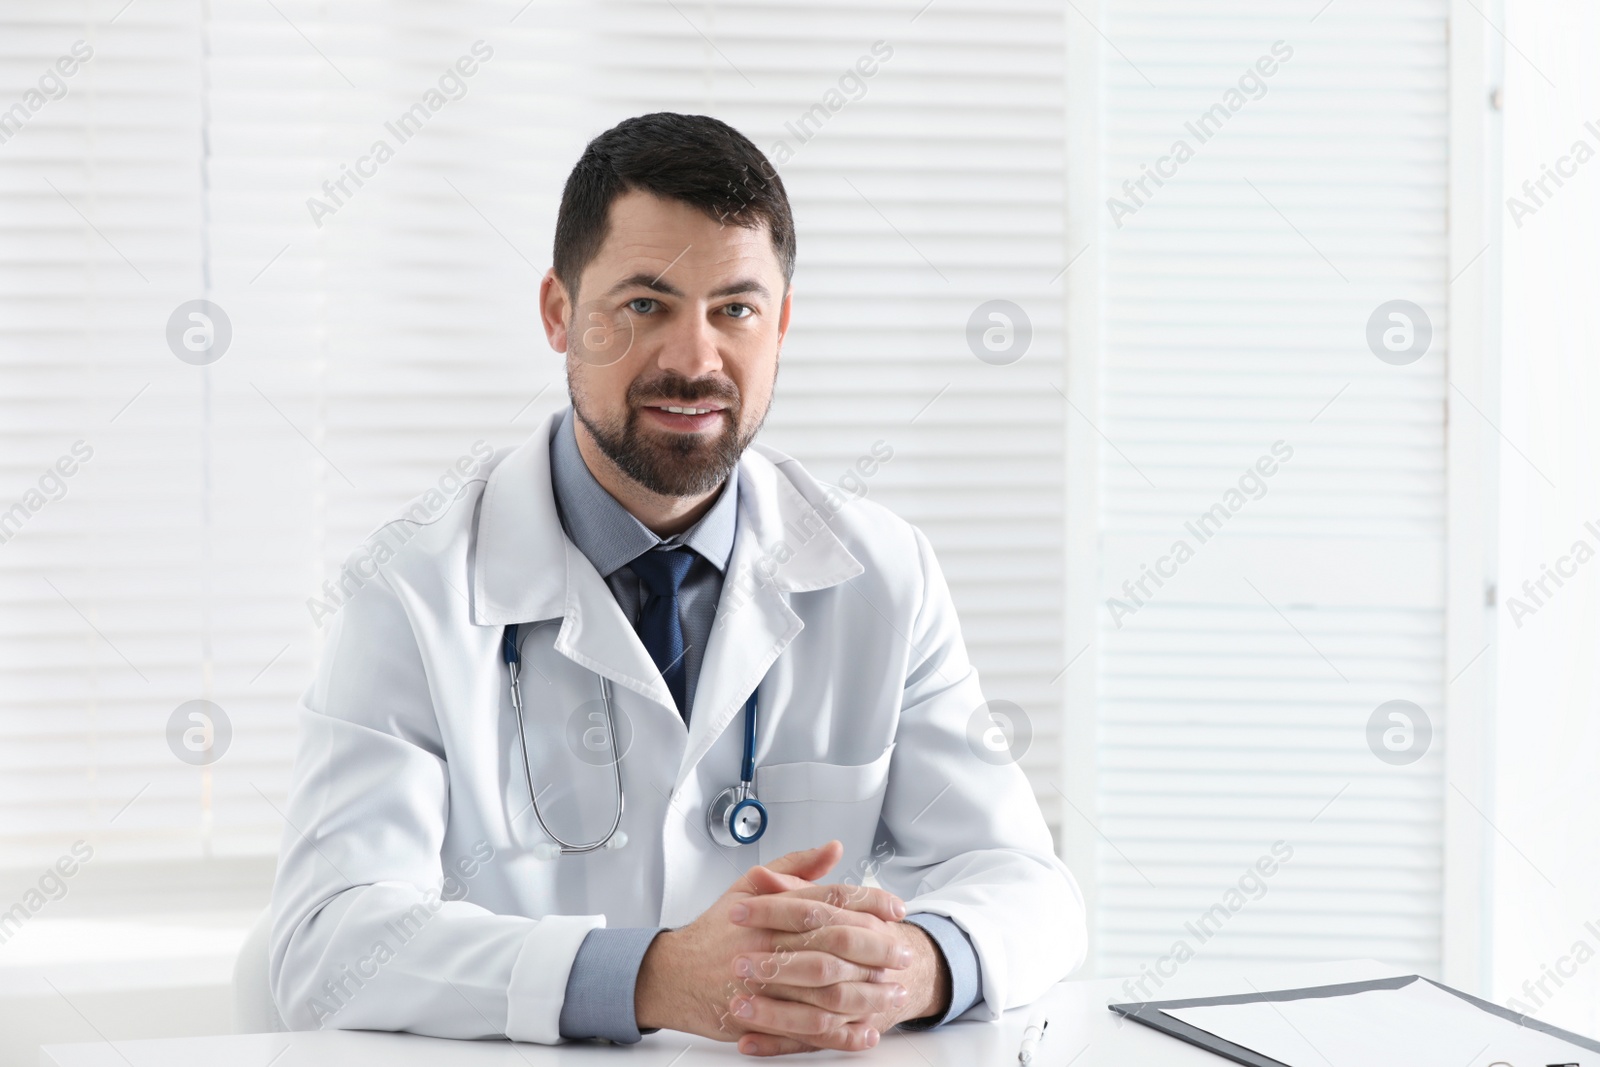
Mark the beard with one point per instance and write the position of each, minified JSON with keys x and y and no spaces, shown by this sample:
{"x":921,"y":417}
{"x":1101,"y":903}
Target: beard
{"x":673,"y":464}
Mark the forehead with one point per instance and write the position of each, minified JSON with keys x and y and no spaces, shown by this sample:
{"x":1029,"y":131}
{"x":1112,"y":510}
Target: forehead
{"x":652,"y":233}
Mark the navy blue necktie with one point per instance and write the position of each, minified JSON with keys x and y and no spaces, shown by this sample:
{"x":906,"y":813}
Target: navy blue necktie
{"x":662,"y":571}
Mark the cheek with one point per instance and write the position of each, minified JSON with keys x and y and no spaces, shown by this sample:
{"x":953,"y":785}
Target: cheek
{"x":601,"y":391}
{"x":611,"y":381}
{"x":755,"y":379}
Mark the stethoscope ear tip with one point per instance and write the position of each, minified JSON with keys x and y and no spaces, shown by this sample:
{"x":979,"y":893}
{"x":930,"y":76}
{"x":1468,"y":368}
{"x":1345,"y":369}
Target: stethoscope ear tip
{"x":549,"y":850}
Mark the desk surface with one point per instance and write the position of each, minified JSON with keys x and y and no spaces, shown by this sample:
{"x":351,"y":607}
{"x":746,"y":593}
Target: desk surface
{"x":1083,"y":1033}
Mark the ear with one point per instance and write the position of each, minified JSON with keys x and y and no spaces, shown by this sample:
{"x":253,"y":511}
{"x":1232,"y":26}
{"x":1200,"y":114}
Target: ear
{"x":784,"y":312}
{"x":555,"y":308}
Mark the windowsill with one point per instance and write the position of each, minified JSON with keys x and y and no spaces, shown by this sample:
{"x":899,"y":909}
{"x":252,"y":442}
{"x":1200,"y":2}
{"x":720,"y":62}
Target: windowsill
{"x":157,"y":925}
{"x":132,"y":952}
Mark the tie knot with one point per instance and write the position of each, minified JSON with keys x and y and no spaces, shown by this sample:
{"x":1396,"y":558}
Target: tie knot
{"x":662,"y":570}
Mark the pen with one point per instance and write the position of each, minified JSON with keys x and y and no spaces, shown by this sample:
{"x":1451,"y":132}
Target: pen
{"x":1030,"y":1041}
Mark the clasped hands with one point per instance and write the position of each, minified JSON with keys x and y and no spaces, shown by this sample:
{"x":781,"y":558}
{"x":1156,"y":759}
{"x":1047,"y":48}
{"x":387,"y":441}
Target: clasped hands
{"x":783,"y":964}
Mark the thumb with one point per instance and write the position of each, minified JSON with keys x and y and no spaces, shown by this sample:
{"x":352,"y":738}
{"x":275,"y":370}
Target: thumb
{"x":808,"y":864}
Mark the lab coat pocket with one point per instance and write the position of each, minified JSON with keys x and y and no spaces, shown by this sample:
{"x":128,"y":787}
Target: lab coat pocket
{"x":810,"y":803}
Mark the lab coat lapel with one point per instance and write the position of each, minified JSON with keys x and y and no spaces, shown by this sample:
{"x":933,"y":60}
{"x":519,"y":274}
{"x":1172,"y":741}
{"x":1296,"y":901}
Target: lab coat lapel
{"x":519,"y":571}
{"x":527,"y":570}
{"x":783,"y":545}
{"x":596,"y":635}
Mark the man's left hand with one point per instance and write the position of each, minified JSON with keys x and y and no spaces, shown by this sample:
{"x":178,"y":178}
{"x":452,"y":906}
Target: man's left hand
{"x":814,"y":938}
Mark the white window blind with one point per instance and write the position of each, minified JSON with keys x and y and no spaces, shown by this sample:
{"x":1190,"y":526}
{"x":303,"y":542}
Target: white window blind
{"x":920,"y":191}
{"x":383,"y":183}
{"x":102,"y":628}
{"x":368,"y":355}
{"x":381,"y":328}
{"x":1234,"y":699}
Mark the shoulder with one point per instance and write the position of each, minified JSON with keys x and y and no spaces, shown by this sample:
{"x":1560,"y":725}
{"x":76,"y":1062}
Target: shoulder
{"x":434,"y":525}
{"x":888,"y":547}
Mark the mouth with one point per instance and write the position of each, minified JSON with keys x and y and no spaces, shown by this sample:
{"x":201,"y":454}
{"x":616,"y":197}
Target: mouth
{"x":691,"y":418}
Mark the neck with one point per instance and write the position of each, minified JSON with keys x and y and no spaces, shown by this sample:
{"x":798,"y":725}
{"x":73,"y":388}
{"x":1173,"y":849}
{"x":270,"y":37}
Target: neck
{"x":661,"y":515}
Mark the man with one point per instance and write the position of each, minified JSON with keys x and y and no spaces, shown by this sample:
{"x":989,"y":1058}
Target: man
{"x":655,"y":570}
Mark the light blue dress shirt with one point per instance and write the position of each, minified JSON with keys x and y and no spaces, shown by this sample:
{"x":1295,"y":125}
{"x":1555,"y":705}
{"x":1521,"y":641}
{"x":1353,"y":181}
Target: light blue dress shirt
{"x":600,"y":986}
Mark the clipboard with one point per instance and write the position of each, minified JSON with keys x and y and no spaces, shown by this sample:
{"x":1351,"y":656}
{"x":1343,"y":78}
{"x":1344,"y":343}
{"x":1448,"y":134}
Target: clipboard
{"x":1151,"y":1014}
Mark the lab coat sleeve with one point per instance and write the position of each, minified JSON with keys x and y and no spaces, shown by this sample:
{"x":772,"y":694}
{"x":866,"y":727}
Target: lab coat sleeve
{"x":962,"y":834}
{"x":369,"y":931}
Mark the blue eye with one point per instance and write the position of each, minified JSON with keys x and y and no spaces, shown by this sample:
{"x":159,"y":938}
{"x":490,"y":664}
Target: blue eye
{"x":633,"y":305}
{"x":746,"y":308}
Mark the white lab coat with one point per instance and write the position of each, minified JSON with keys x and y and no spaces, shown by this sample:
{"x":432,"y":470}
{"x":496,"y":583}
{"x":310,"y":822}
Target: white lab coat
{"x":409,"y":775}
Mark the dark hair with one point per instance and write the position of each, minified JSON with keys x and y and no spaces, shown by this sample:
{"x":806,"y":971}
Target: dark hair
{"x":697,"y":159}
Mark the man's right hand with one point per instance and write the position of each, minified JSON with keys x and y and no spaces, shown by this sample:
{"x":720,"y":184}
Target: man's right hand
{"x":687,"y":977}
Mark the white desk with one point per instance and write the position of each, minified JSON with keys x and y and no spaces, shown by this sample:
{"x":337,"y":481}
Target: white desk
{"x":1083,"y":1033}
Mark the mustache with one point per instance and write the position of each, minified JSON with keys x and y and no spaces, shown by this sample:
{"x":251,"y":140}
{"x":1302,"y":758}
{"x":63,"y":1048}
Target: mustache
{"x":672,"y":387}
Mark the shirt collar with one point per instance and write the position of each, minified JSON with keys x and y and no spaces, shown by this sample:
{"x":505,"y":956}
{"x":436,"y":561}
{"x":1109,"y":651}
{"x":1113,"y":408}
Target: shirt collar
{"x":607,"y":533}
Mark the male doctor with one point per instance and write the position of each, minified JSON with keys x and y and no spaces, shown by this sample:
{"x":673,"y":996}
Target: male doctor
{"x":648,"y":559}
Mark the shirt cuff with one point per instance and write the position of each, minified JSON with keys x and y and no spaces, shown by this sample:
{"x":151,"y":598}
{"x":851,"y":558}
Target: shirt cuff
{"x":599,"y":999}
{"x":966,"y":978}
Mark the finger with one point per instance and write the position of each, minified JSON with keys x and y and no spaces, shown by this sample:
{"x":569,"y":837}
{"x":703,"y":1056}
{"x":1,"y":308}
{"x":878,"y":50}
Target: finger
{"x":869,"y":1002}
{"x":794,"y":914}
{"x":810,"y":863}
{"x":754,"y":1044}
{"x":870,"y":948}
{"x":866,"y":899}
{"x":766,"y":880}
{"x":805,"y":1022}
{"x":804,"y":969}
{"x":760,"y":880}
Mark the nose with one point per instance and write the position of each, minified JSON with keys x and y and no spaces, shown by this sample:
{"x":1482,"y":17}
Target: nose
{"x":689,"y":347}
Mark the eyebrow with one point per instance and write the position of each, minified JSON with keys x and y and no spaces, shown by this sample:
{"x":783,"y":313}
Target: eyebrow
{"x":653,"y":282}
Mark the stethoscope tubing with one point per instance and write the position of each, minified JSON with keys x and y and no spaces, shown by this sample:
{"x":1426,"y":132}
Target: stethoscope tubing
{"x":511,"y":653}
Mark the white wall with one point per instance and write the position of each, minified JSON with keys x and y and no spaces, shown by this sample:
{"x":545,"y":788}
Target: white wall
{"x":1547,"y":737}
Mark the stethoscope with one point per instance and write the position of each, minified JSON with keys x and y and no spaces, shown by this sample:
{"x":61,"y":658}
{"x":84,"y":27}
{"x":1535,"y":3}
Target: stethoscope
{"x":735,"y":816}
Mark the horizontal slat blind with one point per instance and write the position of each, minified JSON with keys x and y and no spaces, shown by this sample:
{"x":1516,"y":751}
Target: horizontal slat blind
{"x":1235,"y":695}
{"x":368,"y":354}
{"x":920,"y":191}
{"x":380,"y":330}
{"x":101,"y":630}
{"x":383,"y":329}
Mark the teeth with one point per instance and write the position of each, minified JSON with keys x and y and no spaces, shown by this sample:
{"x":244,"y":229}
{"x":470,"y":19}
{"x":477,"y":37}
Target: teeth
{"x":687,"y":411}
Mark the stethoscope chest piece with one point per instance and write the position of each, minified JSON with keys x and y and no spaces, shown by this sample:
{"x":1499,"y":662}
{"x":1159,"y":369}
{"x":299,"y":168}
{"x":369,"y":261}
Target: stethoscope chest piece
{"x":735,"y":817}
